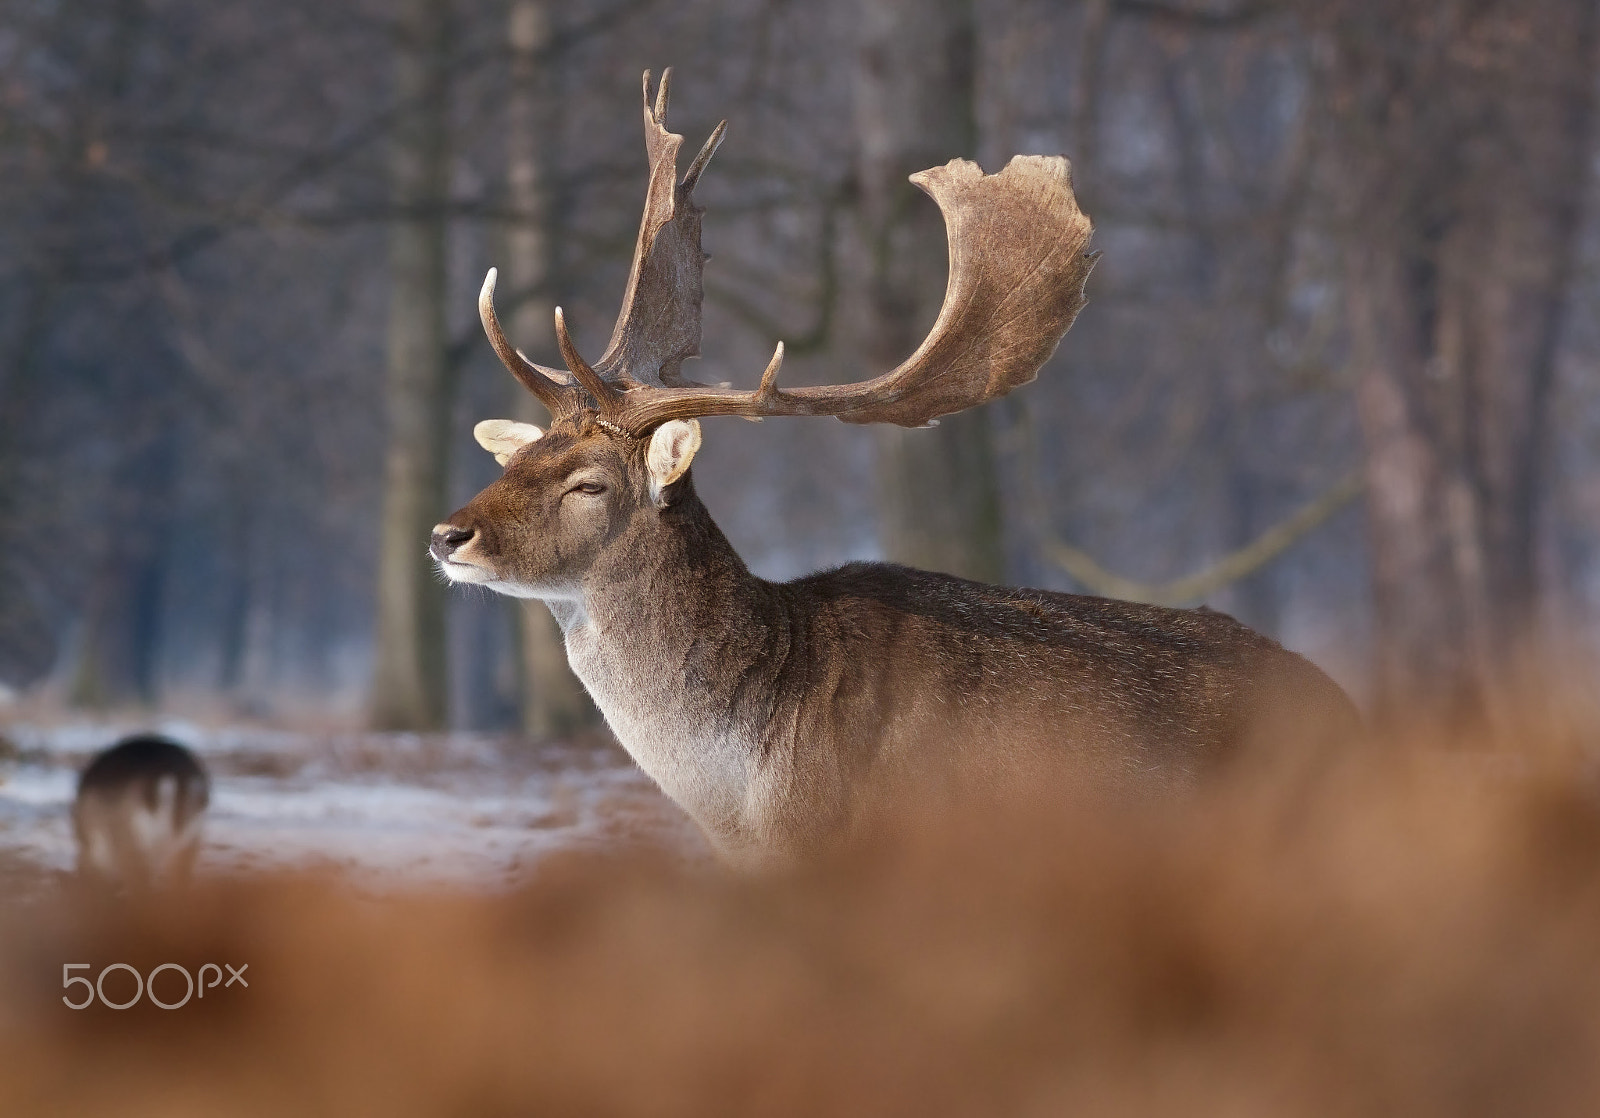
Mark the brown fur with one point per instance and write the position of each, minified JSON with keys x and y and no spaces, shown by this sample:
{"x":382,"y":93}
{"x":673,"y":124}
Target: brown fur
{"x":840,"y":689}
{"x":781,"y":717}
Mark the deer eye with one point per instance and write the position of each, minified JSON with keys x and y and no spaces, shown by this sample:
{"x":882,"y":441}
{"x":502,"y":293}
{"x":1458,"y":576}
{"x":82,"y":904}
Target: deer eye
{"x":592,"y":488}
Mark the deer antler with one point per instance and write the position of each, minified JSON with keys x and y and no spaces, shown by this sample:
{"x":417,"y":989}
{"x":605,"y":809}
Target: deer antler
{"x":550,"y":385}
{"x":1017,"y":270}
{"x":659,"y":324}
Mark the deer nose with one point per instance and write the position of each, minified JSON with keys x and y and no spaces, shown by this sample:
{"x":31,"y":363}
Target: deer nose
{"x":447,"y":538}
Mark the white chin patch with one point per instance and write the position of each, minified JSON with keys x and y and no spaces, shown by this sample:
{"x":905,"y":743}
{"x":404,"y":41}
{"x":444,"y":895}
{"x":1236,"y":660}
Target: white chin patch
{"x":472,"y":574}
{"x":475,"y":575}
{"x":465,"y":572}
{"x":516,"y":590}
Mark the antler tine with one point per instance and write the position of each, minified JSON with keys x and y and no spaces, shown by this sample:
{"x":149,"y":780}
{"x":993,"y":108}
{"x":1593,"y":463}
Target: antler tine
{"x":662,"y":94}
{"x":707,"y":150}
{"x":556,"y":397}
{"x":1017,"y":270}
{"x":769,"y":377}
{"x":767,"y":394}
{"x":604,"y":395}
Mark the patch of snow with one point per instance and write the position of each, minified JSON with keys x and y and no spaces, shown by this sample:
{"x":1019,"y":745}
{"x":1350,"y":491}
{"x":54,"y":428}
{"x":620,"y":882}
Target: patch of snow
{"x":467,"y":808}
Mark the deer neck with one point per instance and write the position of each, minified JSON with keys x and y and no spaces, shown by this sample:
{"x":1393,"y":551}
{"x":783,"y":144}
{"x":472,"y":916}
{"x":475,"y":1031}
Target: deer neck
{"x":667,"y":638}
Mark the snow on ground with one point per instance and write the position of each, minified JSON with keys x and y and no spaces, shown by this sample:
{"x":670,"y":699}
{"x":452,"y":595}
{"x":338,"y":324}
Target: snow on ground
{"x":391,"y":808}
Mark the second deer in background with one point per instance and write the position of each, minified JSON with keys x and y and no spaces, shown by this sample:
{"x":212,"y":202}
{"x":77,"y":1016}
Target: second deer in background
{"x":780,"y":715}
{"x":137,"y":814}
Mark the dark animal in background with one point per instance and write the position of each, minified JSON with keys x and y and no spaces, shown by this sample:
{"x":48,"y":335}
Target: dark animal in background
{"x":780,"y":716}
{"x":138,"y":812}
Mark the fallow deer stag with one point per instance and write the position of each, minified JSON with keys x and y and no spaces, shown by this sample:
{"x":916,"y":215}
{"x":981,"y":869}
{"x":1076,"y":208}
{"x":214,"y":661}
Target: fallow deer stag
{"x":781,"y":715}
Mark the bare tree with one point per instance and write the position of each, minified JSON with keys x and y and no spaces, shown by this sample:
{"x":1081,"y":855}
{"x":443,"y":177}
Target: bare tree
{"x":938,"y":503}
{"x":552,"y":699}
{"x":1291,"y":199}
{"x":409,"y":681}
{"x":1462,"y":133}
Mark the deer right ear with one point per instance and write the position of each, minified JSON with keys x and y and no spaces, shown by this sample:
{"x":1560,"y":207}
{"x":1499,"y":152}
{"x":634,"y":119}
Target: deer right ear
{"x":504,"y":437}
{"x":672,"y":447}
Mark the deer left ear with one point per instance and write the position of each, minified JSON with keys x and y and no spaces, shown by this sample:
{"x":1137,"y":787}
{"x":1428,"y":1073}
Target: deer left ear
{"x":672,"y":448}
{"x":504,"y":437}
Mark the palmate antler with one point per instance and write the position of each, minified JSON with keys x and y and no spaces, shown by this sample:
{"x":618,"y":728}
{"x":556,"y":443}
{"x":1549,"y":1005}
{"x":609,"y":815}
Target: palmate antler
{"x":659,"y":325}
{"x":1017,"y":270}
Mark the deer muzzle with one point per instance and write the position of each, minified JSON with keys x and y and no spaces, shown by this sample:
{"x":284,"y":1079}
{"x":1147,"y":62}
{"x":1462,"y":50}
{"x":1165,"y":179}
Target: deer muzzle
{"x":447,"y":540}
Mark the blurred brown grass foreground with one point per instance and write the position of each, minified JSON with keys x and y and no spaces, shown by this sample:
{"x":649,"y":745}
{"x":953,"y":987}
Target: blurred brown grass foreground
{"x":1412,"y":927}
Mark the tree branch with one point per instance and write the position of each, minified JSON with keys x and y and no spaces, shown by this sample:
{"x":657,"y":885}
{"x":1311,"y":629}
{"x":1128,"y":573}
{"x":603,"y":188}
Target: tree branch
{"x":1197,"y":19}
{"x":821,"y":330}
{"x":1230,"y":568}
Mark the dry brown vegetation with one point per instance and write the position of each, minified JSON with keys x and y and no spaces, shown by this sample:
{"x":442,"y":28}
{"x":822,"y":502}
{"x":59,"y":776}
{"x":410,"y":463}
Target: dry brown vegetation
{"x":1408,"y":929}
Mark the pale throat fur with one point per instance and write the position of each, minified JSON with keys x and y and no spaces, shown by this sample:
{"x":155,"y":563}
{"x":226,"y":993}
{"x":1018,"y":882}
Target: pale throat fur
{"x":645,"y":620}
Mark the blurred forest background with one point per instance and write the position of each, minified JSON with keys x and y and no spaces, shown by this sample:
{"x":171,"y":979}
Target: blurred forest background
{"x":1337,"y":374}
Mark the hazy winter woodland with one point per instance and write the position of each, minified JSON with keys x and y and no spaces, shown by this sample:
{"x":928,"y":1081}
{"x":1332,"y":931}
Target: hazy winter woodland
{"x":1349,"y":258}
{"x":1337,"y":376}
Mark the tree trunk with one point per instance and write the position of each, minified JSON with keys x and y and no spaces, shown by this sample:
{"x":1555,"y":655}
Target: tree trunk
{"x":101,"y":46}
{"x":409,"y":683}
{"x":120,"y":649}
{"x":1254,"y":599}
{"x":552,"y":699}
{"x":939,"y":503}
{"x":238,"y":571}
{"x":27,"y":641}
{"x":1462,"y":135}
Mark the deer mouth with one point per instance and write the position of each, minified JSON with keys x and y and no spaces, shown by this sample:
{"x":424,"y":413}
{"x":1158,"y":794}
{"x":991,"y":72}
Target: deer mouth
{"x":459,"y":570}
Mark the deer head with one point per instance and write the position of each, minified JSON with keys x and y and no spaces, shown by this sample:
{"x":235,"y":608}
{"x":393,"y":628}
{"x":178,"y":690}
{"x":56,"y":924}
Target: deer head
{"x":624,"y":430}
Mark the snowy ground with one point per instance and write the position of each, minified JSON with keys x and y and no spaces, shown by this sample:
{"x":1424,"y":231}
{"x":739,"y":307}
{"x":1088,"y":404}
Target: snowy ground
{"x":392,"y":808}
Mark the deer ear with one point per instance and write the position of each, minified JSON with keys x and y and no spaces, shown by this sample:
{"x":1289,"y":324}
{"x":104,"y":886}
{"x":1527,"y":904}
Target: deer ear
{"x":504,"y":437}
{"x":672,"y":447}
